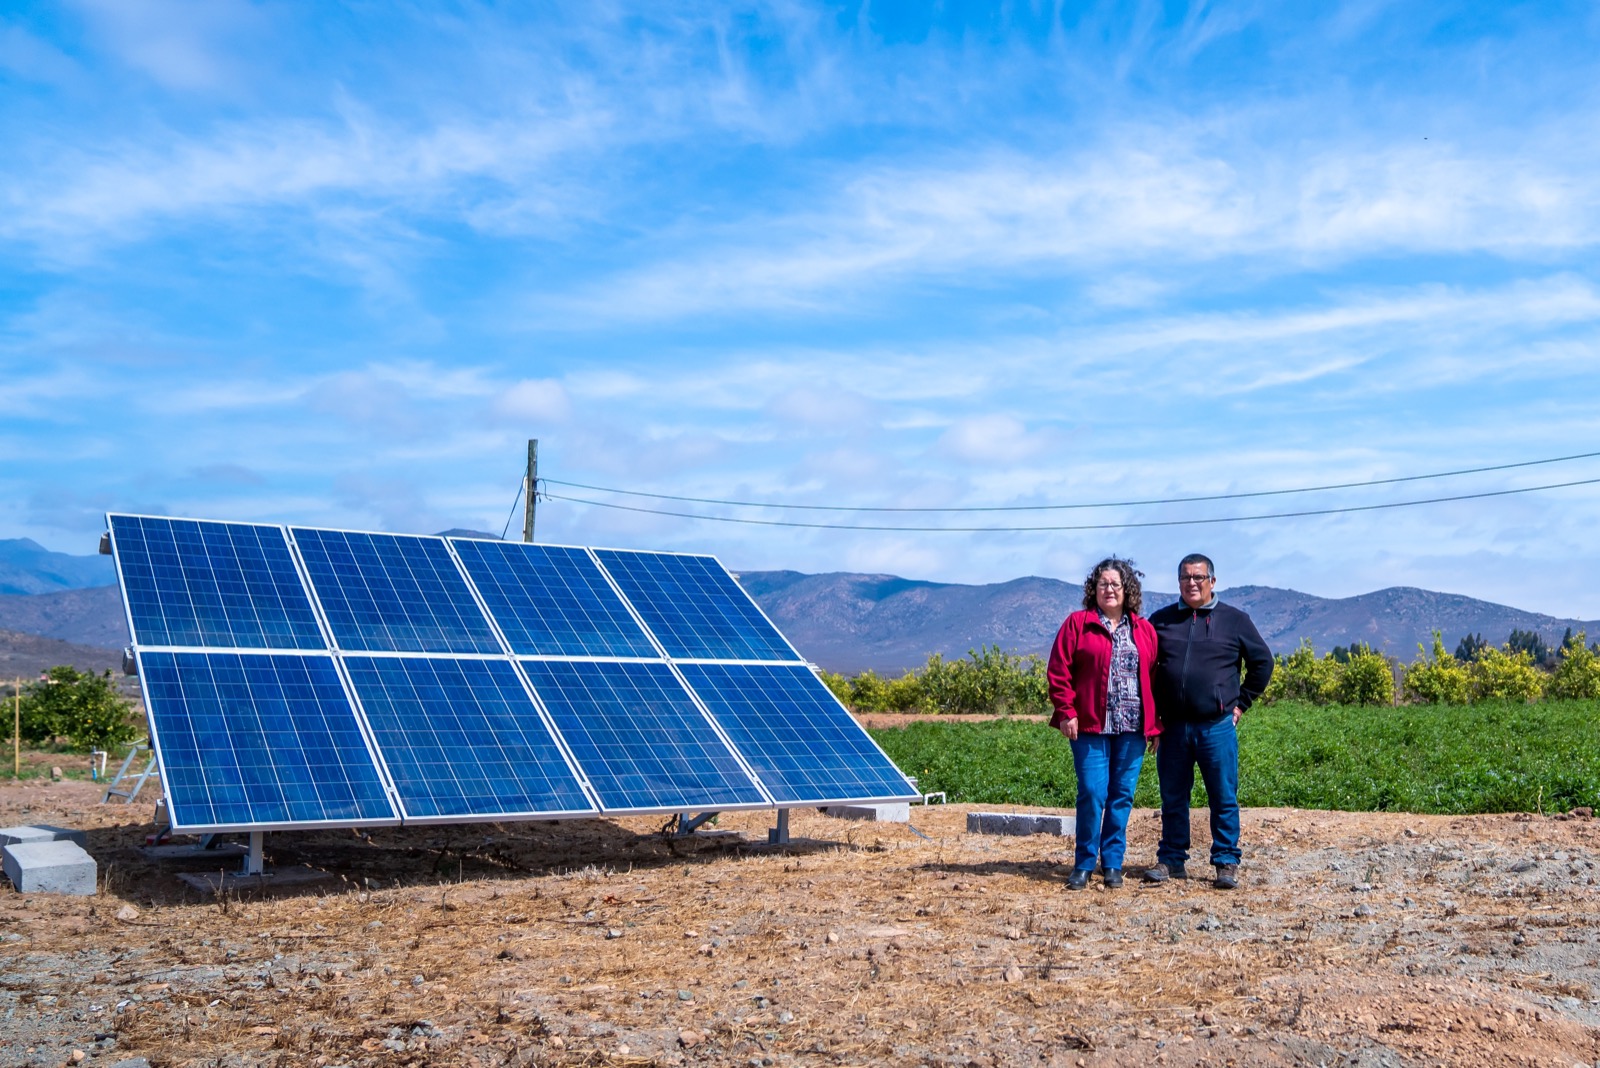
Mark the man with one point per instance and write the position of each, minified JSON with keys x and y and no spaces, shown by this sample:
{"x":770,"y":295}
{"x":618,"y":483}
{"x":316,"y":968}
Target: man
{"x":1200,"y":646}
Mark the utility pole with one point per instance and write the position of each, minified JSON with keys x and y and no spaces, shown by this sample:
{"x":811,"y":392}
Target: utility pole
{"x":16,"y":730}
{"x":530,"y":489}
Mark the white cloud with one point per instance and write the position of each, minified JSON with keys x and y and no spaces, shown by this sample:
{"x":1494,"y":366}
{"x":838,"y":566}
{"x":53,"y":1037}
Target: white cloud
{"x":994,"y":438}
{"x":542,"y":399}
{"x":181,"y":44}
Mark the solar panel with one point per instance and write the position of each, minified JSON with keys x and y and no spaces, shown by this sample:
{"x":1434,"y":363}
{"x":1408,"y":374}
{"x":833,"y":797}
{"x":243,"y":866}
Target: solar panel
{"x":304,"y":677}
{"x":694,"y":607}
{"x":189,"y":583}
{"x":799,"y":740}
{"x":639,"y":738}
{"x":462,"y":738}
{"x":393,"y":593}
{"x":551,"y":600}
{"x":259,"y":741}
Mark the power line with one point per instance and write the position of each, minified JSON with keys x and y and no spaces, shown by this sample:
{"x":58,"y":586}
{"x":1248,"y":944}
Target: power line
{"x":1054,"y":507}
{"x":1086,"y":526}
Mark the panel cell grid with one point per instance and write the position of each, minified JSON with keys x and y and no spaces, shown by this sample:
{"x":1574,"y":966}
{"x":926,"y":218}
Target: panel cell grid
{"x":248,"y":740}
{"x":462,"y":738}
{"x":639,"y":738}
{"x":694,"y":607}
{"x":393,"y":593}
{"x":551,"y":601}
{"x":212,"y":585}
{"x":804,"y":746}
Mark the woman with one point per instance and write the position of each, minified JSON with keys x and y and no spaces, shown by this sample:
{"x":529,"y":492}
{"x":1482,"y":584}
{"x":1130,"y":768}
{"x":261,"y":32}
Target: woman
{"x":1100,"y":686}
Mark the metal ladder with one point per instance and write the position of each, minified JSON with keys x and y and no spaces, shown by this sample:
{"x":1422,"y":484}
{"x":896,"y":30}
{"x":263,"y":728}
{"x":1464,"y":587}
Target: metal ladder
{"x":139,"y":778}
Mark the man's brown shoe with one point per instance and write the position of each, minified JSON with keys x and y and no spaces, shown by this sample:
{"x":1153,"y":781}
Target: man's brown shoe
{"x":1160,"y":873}
{"x":1227,"y":876}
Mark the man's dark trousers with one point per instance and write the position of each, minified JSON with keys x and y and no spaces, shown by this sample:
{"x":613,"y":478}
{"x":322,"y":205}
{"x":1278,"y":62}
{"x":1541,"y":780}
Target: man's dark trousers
{"x":1214,"y":746}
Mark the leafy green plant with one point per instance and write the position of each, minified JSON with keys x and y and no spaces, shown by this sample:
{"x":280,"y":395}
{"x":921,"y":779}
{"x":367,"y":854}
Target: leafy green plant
{"x":1502,"y":675}
{"x":1301,"y":676}
{"x":837,"y":684}
{"x":1577,"y":675}
{"x":1437,"y":680}
{"x":1365,"y":679}
{"x":83,"y":708}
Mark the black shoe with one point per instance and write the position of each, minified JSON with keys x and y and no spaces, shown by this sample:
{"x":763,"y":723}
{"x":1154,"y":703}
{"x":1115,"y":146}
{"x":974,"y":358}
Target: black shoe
{"x":1113,"y":878}
{"x":1227,"y":877}
{"x":1160,"y":873}
{"x":1078,"y":879}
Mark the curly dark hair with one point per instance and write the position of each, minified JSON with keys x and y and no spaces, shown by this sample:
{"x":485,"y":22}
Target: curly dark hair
{"x":1132,"y":594}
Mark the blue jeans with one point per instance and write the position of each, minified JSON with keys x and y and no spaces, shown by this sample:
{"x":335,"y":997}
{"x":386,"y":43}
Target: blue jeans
{"x":1108,"y":770}
{"x":1214,"y":747}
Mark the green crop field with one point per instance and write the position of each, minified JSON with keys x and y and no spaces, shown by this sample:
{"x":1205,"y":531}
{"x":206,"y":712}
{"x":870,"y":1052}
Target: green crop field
{"x":1420,"y":758}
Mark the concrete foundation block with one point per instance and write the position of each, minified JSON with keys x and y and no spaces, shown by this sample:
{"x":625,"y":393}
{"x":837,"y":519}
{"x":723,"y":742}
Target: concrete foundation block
{"x":41,"y":833}
{"x":1018,"y":823}
{"x":50,"y":868}
{"x":894,"y":812}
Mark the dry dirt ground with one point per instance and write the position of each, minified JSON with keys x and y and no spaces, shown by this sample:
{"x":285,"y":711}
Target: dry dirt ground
{"x":1353,"y":940}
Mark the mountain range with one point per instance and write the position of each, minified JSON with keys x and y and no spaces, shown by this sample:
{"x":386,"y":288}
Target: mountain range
{"x":56,"y":608}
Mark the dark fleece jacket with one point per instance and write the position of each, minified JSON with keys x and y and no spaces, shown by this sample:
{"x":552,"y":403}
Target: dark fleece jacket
{"x":1199,"y":652}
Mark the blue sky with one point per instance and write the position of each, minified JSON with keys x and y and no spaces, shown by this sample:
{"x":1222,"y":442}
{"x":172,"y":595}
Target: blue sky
{"x":334,"y":264}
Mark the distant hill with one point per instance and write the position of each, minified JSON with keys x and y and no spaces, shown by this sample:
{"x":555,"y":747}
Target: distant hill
{"x":26,"y":655}
{"x":86,"y":617}
{"x":851,"y":622}
{"x":28,"y":567}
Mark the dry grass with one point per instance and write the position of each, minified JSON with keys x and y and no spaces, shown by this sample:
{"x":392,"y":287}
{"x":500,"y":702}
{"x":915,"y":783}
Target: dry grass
{"x":601,"y":942}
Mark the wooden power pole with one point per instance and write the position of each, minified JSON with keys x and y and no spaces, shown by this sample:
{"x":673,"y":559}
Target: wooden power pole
{"x":530,"y":489}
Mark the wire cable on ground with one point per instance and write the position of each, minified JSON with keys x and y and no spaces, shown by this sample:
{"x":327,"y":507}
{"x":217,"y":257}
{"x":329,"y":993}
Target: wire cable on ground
{"x":1063,"y":507}
{"x":1084,"y":526}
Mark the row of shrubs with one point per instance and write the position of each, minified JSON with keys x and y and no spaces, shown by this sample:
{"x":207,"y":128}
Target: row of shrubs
{"x":994,"y":682}
{"x":987,"y":681}
{"x":1366,"y":677}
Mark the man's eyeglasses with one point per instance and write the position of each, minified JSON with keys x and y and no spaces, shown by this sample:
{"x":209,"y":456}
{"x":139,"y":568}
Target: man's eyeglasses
{"x":1194,"y":578}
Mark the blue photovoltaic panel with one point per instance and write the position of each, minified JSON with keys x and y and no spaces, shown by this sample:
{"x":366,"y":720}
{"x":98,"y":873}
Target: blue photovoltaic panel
{"x":638,"y":736}
{"x":694,"y":607}
{"x":802,"y":744}
{"x":393,"y":593}
{"x":252,"y":740}
{"x":551,"y":601}
{"x":212,"y":585}
{"x":462,"y":738}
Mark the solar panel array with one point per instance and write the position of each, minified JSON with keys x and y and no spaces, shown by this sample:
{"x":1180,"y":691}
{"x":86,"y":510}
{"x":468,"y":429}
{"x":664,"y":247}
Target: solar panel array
{"x":301,"y":677}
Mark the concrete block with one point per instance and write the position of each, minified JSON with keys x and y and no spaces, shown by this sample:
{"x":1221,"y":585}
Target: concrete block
{"x":1018,"y":823}
{"x":893,"y":812}
{"x":41,"y":833}
{"x":50,"y":868}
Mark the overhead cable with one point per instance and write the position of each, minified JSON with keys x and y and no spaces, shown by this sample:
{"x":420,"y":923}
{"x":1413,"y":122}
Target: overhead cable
{"x":1063,"y":507}
{"x":1084,"y":526}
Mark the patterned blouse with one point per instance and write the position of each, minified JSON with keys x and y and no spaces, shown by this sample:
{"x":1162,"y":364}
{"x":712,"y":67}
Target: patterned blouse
{"x":1124,"y":711}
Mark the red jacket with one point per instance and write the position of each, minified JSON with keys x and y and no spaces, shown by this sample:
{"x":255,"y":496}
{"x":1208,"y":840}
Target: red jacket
{"x":1080,"y":667}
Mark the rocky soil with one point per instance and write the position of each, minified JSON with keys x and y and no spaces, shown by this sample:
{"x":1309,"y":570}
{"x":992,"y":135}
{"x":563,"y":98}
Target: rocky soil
{"x":1353,"y":940}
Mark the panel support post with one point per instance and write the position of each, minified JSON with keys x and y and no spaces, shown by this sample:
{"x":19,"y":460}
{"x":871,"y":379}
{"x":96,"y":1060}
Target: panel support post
{"x":252,"y":861}
{"x":530,"y":489}
{"x":779,"y":835}
{"x":688,"y":824}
